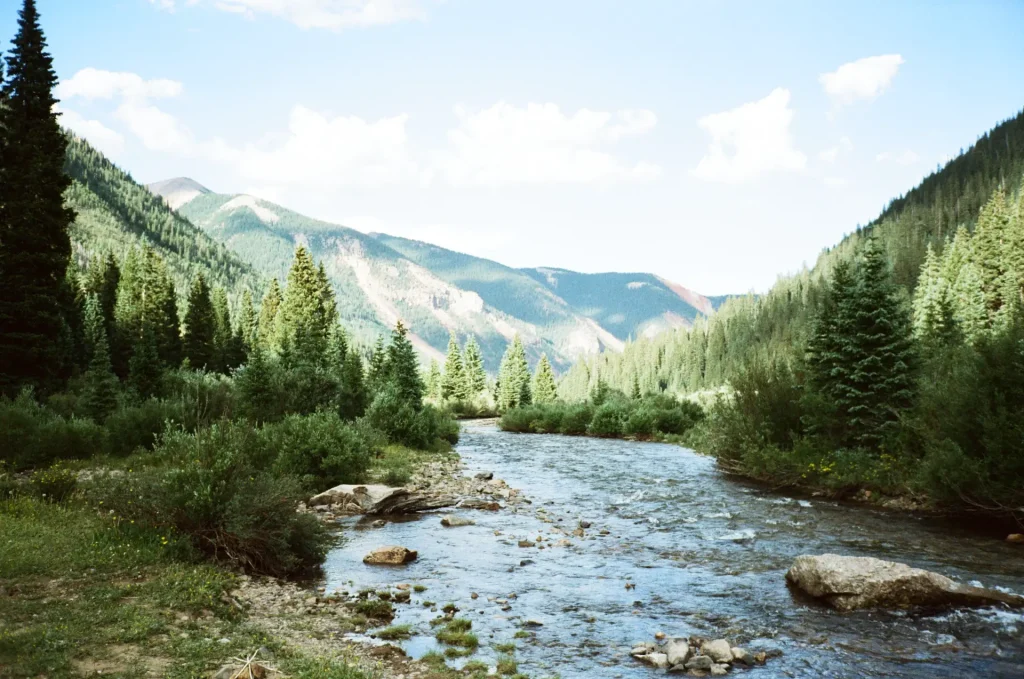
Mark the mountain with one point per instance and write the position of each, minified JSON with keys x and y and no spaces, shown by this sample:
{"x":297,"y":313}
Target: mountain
{"x":115,"y":214}
{"x":380,"y":278}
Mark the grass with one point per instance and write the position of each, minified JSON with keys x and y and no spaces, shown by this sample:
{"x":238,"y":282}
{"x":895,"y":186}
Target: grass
{"x":419,"y":588}
{"x":88,"y":593}
{"x":507,"y":665}
{"x":522,"y":634}
{"x":377,"y":609}
{"x":456,"y":633}
{"x":395,"y":632}
{"x":396,"y":464}
{"x":505,"y":648}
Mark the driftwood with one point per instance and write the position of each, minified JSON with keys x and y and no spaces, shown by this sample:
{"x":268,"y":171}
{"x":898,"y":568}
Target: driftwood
{"x":378,"y":499}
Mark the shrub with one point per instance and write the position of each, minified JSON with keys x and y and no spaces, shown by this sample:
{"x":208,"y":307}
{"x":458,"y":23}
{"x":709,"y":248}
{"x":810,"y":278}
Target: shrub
{"x":519,"y":419}
{"x":608,"y":419}
{"x":320,"y":449}
{"x":640,"y":423}
{"x":134,"y":427}
{"x":395,"y":417}
{"x":221,"y":496}
{"x":32,"y":436}
{"x":576,"y":419}
{"x":55,"y":484}
{"x":204,"y":397}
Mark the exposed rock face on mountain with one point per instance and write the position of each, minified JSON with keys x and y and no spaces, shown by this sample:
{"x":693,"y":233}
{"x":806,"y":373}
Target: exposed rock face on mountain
{"x":380,"y":278}
{"x":850,"y":582}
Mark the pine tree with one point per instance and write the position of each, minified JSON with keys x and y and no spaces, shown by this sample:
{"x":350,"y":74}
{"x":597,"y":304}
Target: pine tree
{"x":352,"y":396}
{"x":434,"y":382}
{"x":223,"y":344}
{"x":544,"y":388}
{"x":305,"y":316}
{"x":248,"y":324}
{"x":696,"y":359}
{"x":94,"y":324}
{"x":378,"y":366}
{"x":513,"y":388}
{"x":101,"y":280}
{"x":989,"y":251}
{"x":258,"y":399}
{"x":268,"y":314}
{"x":402,"y":367}
{"x":969,"y":305}
{"x":160,"y":315}
{"x":636,"y":394}
{"x":934,"y":324}
{"x":715,"y":367}
{"x":453,"y":384}
{"x":200,"y":327}
{"x":34,"y":244}
{"x":144,"y":368}
{"x":473,"y":366}
{"x":99,"y":396}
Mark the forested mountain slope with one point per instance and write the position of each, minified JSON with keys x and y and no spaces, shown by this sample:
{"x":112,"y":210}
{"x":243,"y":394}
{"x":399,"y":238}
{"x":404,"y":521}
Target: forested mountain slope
{"x":775,"y":326}
{"x":115,"y":214}
{"x":380,"y":278}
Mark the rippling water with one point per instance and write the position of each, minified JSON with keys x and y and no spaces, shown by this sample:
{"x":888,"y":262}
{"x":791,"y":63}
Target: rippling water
{"x":707,"y":555}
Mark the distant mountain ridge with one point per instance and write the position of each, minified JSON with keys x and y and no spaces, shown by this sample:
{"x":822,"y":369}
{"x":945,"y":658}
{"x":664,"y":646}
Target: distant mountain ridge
{"x":380,"y":278}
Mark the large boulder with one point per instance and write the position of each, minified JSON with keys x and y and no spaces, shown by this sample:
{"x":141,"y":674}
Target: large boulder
{"x":390,"y":556}
{"x":678,"y":651}
{"x":850,"y":582}
{"x":378,"y":499}
{"x":718,"y":650}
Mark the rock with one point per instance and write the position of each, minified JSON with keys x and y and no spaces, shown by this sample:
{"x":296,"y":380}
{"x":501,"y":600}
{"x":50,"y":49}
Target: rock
{"x":473,"y":503}
{"x":742,"y":656}
{"x":533,"y":623}
{"x":585,"y":524}
{"x":390,"y":556}
{"x":718,"y":650}
{"x":484,"y":476}
{"x":526,"y":562}
{"x":378,"y":499}
{"x":659,"y":660}
{"x":379,"y":523}
{"x":526,"y":543}
{"x":1015,"y":538}
{"x":848,"y":582}
{"x":456,"y":521}
{"x":403,"y":596}
{"x":698,"y":662}
{"x":659,"y":635}
{"x":719,"y":670}
{"x":678,"y":651}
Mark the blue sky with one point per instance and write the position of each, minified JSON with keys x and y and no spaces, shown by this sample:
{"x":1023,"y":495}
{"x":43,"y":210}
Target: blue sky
{"x":717,"y":144}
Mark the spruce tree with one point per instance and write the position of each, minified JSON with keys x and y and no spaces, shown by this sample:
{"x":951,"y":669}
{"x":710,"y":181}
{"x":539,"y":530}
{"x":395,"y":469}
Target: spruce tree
{"x":513,"y":387}
{"x":144,"y":368}
{"x":377,"y":372}
{"x":970,"y":309}
{"x":160,"y":312}
{"x":352,"y":396}
{"x":99,"y":396}
{"x":636,"y":394}
{"x":473,"y":367}
{"x":200,"y":327}
{"x":989,"y":251}
{"x":307,"y":311}
{"x":258,"y":400}
{"x":248,"y":324}
{"x":433,"y":385}
{"x":715,"y":366}
{"x":453,"y":384}
{"x":94,"y":324}
{"x":696,"y":359}
{"x":402,"y":368}
{"x":268,"y":314}
{"x":934,"y":324}
{"x":34,"y":243}
{"x":102,"y":279}
{"x":223,"y":335}
{"x":545,"y":390}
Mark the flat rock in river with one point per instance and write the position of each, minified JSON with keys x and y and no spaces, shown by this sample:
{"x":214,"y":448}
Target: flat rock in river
{"x":849,"y":582}
{"x":379,"y":499}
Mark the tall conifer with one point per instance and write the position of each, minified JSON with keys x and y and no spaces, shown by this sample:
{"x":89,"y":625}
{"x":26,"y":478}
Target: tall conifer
{"x":453,"y":384}
{"x":200,"y":327}
{"x":473,"y":367}
{"x":544,"y":388}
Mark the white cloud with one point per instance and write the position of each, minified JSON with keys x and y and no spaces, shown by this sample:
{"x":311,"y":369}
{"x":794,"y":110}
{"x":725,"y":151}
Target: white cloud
{"x":334,"y":15}
{"x":830,"y":155}
{"x":862,"y":79}
{"x":907,"y":157}
{"x":834,"y":182}
{"x":505,"y":144}
{"x":108,"y":141}
{"x":93,"y":83}
{"x":750,"y":140}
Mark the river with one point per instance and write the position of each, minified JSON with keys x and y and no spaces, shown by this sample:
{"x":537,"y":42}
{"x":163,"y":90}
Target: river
{"x":707,"y":555}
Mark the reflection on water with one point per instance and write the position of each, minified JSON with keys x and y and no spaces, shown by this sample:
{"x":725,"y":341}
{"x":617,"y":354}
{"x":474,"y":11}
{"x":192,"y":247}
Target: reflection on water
{"x":707,"y":556}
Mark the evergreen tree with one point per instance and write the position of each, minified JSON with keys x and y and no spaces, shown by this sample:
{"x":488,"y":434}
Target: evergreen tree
{"x":513,"y":388}
{"x":258,"y":400}
{"x":94,"y":324}
{"x":223,"y":335}
{"x":544,"y":388}
{"x":161,"y":310}
{"x":934,"y":323}
{"x":402,"y":368}
{"x":989,"y":251}
{"x":352,"y":396}
{"x":200,"y":327}
{"x":715,"y":367}
{"x":102,"y":280}
{"x":453,"y":384}
{"x":99,"y":396}
{"x":636,"y":394}
{"x":969,"y":305}
{"x":307,"y":311}
{"x":378,"y":366}
{"x":268,"y":314}
{"x":248,"y":324}
{"x":434,"y":382}
{"x":34,"y":244}
{"x":696,"y":358}
{"x":144,"y":368}
{"x":473,"y":366}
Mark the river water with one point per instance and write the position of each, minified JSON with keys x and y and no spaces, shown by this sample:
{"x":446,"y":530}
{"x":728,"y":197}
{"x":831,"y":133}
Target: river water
{"x":707,"y":555}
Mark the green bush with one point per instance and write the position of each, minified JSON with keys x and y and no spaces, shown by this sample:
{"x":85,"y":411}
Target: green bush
{"x":133,"y":427}
{"x":55,"y":484}
{"x":640,"y":423}
{"x":219,"y":493}
{"x":609,"y":419}
{"x":576,"y":419}
{"x":396,"y":418}
{"x":33,"y":436}
{"x":204,"y":397}
{"x":321,"y":449}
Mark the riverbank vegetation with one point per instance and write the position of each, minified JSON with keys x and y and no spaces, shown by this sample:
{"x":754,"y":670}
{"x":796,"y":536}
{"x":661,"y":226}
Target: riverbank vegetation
{"x":895,"y":366}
